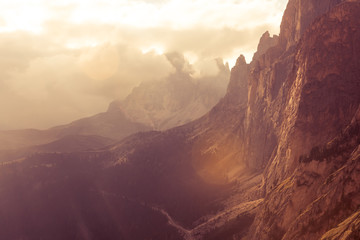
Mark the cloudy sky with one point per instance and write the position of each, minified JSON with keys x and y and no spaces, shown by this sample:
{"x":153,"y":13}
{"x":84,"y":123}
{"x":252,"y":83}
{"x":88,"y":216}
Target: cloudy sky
{"x":65,"y":59}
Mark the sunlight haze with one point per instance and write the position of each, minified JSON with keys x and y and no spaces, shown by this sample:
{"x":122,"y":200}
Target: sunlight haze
{"x":62,"y":60}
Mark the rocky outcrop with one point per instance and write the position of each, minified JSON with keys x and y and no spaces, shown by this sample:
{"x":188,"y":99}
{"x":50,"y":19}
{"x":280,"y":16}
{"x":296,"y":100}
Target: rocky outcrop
{"x":265,"y":43}
{"x":237,"y":89}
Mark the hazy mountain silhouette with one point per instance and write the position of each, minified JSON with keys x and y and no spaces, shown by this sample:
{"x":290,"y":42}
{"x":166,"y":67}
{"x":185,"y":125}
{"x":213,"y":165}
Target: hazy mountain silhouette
{"x":178,"y":99}
{"x":160,"y":104}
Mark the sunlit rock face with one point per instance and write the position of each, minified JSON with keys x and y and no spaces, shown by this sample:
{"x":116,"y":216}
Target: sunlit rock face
{"x":323,"y":95}
{"x":271,"y":82}
{"x":265,"y":43}
{"x":317,"y":131}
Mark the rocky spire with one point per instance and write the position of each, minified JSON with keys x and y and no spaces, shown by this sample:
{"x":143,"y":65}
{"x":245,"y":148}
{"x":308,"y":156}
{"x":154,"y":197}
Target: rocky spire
{"x":238,"y":84}
{"x":265,"y":43}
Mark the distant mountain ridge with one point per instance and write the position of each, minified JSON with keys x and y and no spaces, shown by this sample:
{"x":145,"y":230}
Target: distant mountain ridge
{"x":176,"y":100}
{"x":114,"y":125}
{"x":161,"y":104}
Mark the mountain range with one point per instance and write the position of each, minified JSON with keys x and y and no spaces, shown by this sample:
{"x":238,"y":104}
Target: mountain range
{"x":278,"y":157}
{"x":156,"y":105}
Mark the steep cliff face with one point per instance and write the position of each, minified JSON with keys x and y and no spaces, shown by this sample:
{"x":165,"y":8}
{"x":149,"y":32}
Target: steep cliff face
{"x":321,"y":199}
{"x":324,"y":85}
{"x":321,"y":97}
{"x":272,"y":79}
{"x":299,"y":15}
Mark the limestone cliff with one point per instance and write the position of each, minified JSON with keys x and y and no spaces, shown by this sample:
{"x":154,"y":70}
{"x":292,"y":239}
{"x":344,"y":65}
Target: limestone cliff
{"x":314,"y":109}
{"x":299,"y":15}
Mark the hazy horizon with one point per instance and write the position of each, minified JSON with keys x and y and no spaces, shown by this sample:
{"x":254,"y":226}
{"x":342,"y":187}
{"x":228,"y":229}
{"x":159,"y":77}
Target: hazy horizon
{"x":65,"y":60}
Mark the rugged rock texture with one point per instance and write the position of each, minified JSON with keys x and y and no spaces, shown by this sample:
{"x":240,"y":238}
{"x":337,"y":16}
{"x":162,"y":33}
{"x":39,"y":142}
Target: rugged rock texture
{"x":324,"y":91}
{"x":321,"y":194}
{"x":299,"y":15}
{"x":237,"y":93}
{"x":322,"y":97}
{"x":265,"y":43}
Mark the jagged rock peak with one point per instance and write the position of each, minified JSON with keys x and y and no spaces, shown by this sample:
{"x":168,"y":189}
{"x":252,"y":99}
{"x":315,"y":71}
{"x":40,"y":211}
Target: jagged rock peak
{"x":238,"y":84}
{"x":266,"y":42}
{"x":223,"y":67}
{"x":240,"y":60}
